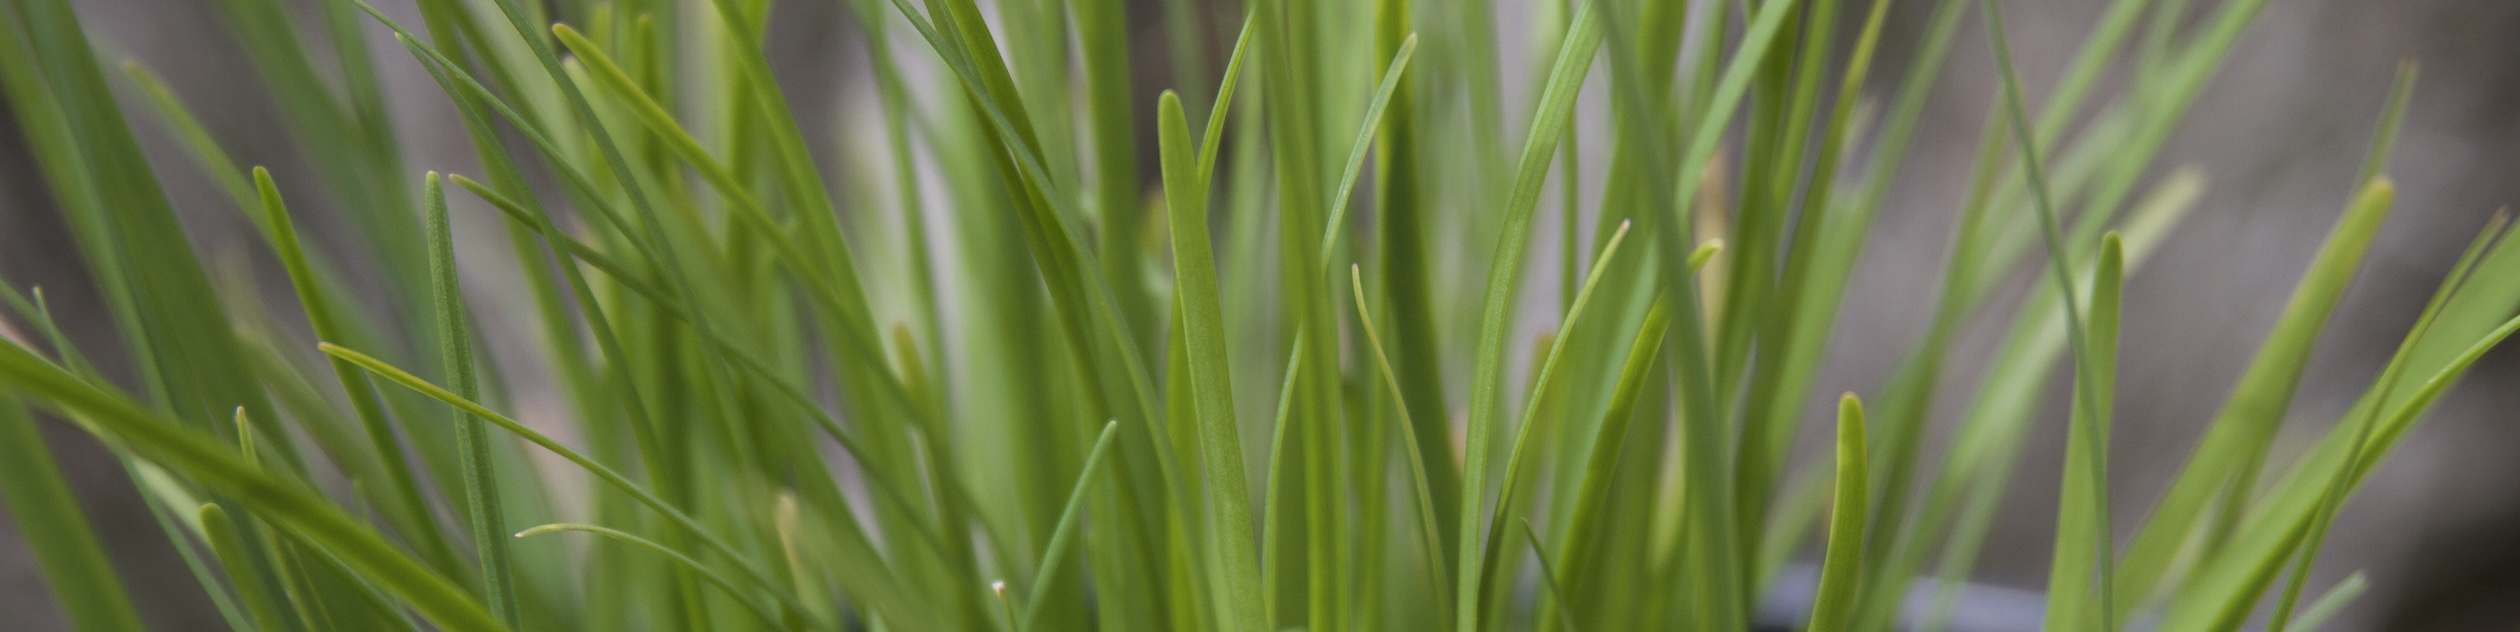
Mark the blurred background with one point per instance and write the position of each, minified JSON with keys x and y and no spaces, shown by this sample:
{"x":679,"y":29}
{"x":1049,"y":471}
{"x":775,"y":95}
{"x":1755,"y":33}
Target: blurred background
{"x":2280,"y":133}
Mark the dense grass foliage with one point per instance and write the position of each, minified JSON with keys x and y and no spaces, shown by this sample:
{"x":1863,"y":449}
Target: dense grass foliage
{"x":990,"y":365}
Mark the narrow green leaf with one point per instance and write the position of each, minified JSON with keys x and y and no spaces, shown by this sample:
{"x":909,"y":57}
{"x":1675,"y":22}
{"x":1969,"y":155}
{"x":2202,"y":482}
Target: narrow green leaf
{"x":1356,"y":151}
{"x":1549,"y":121}
{"x":2078,"y":575}
{"x":230,"y":549}
{"x":1429,"y":521}
{"x":1054,"y":554}
{"x":1841,"y":571}
{"x":179,"y":119}
{"x":2331,"y":501}
{"x":289,"y":505}
{"x":2227,"y":457}
{"x":75,"y":568}
{"x":1508,"y":502}
{"x":1549,"y":575}
{"x":2336,"y":598}
{"x":1232,"y":574}
{"x":606,"y":474}
{"x":481,"y":495}
{"x":2222,"y":593}
{"x":678,"y":557}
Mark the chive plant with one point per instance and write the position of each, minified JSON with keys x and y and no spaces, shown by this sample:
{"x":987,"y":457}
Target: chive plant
{"x":1270,"y":376}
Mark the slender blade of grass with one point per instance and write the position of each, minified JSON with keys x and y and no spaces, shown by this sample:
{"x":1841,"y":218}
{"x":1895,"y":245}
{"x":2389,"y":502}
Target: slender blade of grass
{"x":2234,"y":441}
{"x":1428,"y":517}
{"x":1841,"y":570}
{"x":2334,"y":600}
{"x":2078,"y":571}
{"x":287,"y":504}
{"x":1052,"y":555}
{"x":677,"y":557}
{"x":75,"y":569}
{"x":1232,"y":552}
{"x":480,"y":495}
{"x":408,"y":508}
{"x":1504,"y":279}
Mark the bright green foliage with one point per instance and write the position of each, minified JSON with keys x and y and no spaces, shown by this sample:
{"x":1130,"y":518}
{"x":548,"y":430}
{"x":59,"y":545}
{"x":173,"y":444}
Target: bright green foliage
{"x":990,"y":365}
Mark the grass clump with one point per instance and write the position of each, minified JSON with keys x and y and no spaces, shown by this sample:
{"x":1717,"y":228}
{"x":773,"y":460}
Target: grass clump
{"x":1265,"y":378}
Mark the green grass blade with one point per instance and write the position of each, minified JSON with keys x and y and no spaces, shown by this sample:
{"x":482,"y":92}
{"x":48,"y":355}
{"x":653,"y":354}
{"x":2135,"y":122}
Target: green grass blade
{"x":1504,"y":279}
{"x":1102,"y":33}
{"x":2330,"y":501}
{"x":2328,"y":604}
{"x":1052,"y":555}
{"x":75,"y":568}
{"x":196,"y":138}
{"x":409,"y":508}
{"x":480,"y":493}
{"x":1356,"y":152}
{"x":1813,"y":282}
{"x":2221,"y":593}
{"x":289,"y":505}
{"x":1584,"y":528}
{"x":889,"y":488}
{"x":178,"y":334}
{"x":1233,"y":554}
{"x":1549,"y":575}
{"x":2082,"y":555}
{"x":1841,"y":570}
{"x":220,"y":532}
{"x":1508,"y":502}
{"x":1428,"y":519}
{"x":2392,"y":117}
{"x":1215,"y":128}
{"x":606,"y":474}
{"x":2236,"y":439}
{"x":678,"y":557}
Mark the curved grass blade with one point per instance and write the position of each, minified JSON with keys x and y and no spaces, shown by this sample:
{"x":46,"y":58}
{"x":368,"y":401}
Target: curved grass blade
{"x":74,"y":565}
{"x":2236,"y":440}
{"x":1224,"y":100}
{"x":677,"y":557}
{"x":2334,"y":600}
{"x":1232,"y":574}
{"x":2221,"y":594}
{"x":211,"y":464}
{"x":2083,"y":538}
{"x":1056,"y":552}
{"x":1509,"y":503}
{"x":853,"y":341}
{"x":1356,"y":152}
{"x":481,"y":493}
{"x":606,"y":474}
{"x":837,"y":291}
{"x":1581,"y":544}
{"x":165,"y":306}
{"x":408,"y":508}
{"x":1102,"y":34}
{"x":1272,"y":509}
{"x":230,"y":549}
{"x":2331,"y":501}
{"x":196,"y":138}
{"x":1504,"y":280}
{"x":1549,"y":576}
{"x":1841,"y":570}
{"x":1429,"y":522}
